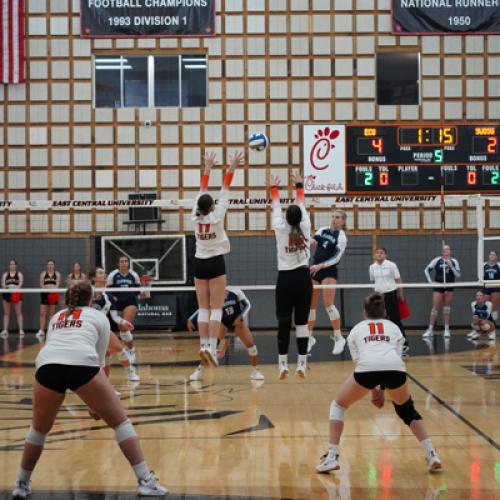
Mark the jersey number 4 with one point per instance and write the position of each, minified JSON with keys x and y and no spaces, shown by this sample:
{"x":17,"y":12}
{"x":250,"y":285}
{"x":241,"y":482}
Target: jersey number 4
{"x":203,"y":228}
{"x":376,"y":328}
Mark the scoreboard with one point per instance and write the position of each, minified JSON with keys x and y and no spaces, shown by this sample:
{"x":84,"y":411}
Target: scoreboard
{"x":386,"y":158}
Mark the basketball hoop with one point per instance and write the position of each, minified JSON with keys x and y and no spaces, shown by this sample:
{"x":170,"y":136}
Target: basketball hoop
{"x":146,"y":283}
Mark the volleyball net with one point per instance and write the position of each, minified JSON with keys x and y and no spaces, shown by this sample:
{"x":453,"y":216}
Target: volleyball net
{"x":411,"y":228}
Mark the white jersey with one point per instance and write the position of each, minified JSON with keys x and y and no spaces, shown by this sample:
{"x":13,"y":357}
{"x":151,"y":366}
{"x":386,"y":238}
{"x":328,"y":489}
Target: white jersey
{"x":78,"y":339}
{"x":291,"y":256}
{"x":384,"y":276}
{"x":211,"y":238}
{"x":376,"y":345}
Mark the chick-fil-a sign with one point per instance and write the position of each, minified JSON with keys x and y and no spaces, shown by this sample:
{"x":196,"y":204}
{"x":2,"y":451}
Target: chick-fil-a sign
{"x":324,"y":159}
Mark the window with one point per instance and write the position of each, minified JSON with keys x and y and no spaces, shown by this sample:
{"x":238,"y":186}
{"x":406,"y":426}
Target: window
{"x":150,"y":81}
{"x":398,"y":78}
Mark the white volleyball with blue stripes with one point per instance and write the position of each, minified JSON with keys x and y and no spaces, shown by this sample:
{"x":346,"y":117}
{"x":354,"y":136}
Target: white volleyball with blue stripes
{"x":258,"y":141}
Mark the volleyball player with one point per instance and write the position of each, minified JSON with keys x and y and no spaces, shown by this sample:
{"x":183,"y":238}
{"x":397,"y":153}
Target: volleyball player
{"x":482,"y":317}
{"x":12,"y":278}
{"x":212,"y":244}
{"x":108,"y":306}
{"x":126,"y":302}
{"x":445,"y":269}
{"x":492,"y":272}
{"x":49,"y":278}
{"x":385,"y":275}
{"x":376,"y":345}
{"x":294,"y":286}
{"x":71,"y":359}
{"x":234,"y":315}
{"x":330,"y":243}
{"x":76,"y":274}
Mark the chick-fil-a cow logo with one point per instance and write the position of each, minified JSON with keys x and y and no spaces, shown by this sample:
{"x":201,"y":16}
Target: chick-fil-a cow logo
{"x":324,"y":158}
{"x":322,"y":148}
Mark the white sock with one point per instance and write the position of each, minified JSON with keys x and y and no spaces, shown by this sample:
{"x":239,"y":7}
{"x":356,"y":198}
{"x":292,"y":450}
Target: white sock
{"x":333,"y":450}
{"x":212,"y":343}
{"x":24,"y":475}
{"x":427,"y":444}
{"x":141,"y":470}
{"x":431,"y":327}
{"x":203,"y":342}
{"x":446,"y":327}
{"x":302,"y":359}
{"x":283,"y":359}
{"x":337,"y":334}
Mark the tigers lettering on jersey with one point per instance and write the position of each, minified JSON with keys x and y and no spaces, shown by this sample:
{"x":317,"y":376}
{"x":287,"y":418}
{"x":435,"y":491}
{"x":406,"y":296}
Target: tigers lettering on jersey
{"x":63,"y":320}
{"x":376,"y":333}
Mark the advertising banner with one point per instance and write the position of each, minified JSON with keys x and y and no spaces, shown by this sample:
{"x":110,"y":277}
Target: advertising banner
{"x":147,"y":18}
{"x":324,"y":159}
{"x":445,"y":16}
{"x":159,"y":311}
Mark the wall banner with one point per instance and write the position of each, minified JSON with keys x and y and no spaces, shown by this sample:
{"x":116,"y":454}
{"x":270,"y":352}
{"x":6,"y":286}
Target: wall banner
{"x":147,"y":18}
{"x":159,"y":311}
{"x":324,"y":159}
{"x":445,"y":16}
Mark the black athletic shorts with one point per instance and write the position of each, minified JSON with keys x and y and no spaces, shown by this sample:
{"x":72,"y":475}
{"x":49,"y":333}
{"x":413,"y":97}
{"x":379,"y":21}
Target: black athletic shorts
{"x":444,"y":289}
{"x":208,"y":269}
{"x":129,"y":299}
{"x":489,"y":291}
{"x":6,"y":297}
{"x":392,"y":379}
{"x":59,"y":378}
{"x":328,"y":272}
{"x":230,"y":314}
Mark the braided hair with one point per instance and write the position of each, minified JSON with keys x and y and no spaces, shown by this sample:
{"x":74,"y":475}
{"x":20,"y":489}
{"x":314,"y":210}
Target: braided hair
{"x":77,"y":295}
{"x":294,"y":218}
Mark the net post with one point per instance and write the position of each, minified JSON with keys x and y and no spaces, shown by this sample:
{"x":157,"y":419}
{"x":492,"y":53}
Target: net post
{"x":480,"y":236}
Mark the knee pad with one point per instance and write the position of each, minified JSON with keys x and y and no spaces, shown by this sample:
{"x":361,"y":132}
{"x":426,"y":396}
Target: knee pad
{"x":312,"y":315}
{"x":407,"y":412}
{"x":336,"y":411}
{"x":446,"y":309}
{"x":301,"y":331}
{"x":124,"y":431}
{"x":494,"y":315}
{"x":434,"y":313}
{"x":252,"y":351}
{"x":126,"y":336}
{"x":216,"y":315}
{"x":333,"y":313}
{"x":203,"y":315}
{"x":485,"y":327}
{"x":35,"y":437}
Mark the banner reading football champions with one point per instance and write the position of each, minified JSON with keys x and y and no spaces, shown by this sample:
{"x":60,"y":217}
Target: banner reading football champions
{"x":445,"y":16}
{"x":147,"y":18}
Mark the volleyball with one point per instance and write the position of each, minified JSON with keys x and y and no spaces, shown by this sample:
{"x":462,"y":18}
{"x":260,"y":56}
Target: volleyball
{"x":258,"y":141}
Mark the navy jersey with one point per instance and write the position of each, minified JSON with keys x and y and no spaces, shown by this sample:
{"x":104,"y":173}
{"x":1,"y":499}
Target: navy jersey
{"x":105,"y":303}
{"x":444,"y":272}
{"x":331,"y":246}
{"x":118,"y":280}
{"x":483,"y":311}
{"x":491,"y":272}
{"x":236,"y":304}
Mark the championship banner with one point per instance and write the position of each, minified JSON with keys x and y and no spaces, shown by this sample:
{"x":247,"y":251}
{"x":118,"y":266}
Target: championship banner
{"x":324,"y":159}
{"x":147,"y":18}
{"x":445,"y":16}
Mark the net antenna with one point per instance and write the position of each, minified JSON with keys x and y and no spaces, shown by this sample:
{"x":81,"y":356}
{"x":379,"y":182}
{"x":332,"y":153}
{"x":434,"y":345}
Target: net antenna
{"x":146,"y":281}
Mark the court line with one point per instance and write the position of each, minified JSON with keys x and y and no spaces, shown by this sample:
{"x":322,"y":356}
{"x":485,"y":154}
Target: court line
{"x":469,"y":424}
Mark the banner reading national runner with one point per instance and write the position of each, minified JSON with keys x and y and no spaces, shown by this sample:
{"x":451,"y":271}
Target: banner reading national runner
{"x":445,"y":16}
{"x":147,"y":18}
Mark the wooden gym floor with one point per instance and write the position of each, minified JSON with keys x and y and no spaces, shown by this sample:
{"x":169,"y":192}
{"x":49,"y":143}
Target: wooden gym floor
{"x":229,"y":438}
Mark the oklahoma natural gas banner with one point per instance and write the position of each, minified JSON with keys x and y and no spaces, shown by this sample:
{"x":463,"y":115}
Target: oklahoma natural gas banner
{"x":324,"y":159}
{"x":445,"y":16}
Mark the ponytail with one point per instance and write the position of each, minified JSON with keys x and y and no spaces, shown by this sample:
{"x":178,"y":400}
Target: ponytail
{"x":294,"y":218}
{"x":78,"y":295}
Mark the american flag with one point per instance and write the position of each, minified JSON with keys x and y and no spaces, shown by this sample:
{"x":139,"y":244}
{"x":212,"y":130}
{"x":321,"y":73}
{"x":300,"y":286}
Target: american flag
{"x":12,"y":41}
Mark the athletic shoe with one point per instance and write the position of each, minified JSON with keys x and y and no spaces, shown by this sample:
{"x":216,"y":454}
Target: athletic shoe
{"x":447,"y":333}
{"x":40,"y":334}
{"x":132,"y":375}
{"x":256,"y":374}
{"x":211,"y":356}
{"x":196,"y":375}
{"x":428,"y":333}
{"x":4,"y":334}
{"x":339,"y":346}
{"x":21,"y":333}
{"x":118,"y":393}
{"x":492,"y":335}
{"x":150,"y":487}
{"x":21,"y":489}
{"x":310,"y":343}
{"x":474,"y":335}
{"x":131,"y":355}
{"x":284,"y":372}
{"x":301,"y":370}
{"x":204,"y":357}
{"x":433,"y":462}
{"x":328,"y":463}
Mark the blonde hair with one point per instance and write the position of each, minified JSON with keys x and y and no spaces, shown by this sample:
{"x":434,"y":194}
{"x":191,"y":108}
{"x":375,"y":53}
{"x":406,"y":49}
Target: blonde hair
{"x":343,"y":214}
